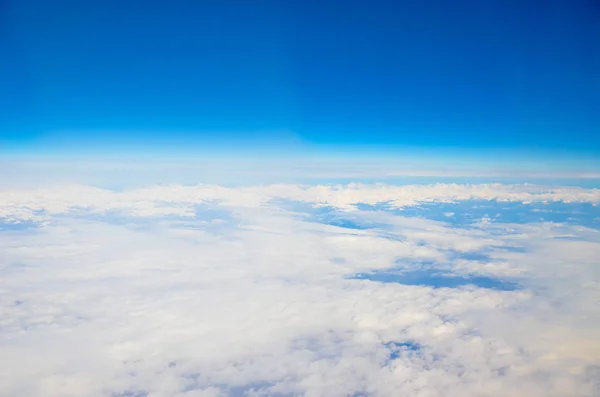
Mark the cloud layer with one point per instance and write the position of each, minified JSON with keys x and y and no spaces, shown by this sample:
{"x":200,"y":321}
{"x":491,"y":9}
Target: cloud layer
{"x":214,"y":291}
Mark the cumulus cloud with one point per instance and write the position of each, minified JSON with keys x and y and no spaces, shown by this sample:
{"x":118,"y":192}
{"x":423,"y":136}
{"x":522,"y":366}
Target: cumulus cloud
{"x":137,"y":293}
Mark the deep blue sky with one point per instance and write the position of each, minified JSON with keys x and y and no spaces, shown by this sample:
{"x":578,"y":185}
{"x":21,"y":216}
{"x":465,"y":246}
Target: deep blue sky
{"x":478,"y":74}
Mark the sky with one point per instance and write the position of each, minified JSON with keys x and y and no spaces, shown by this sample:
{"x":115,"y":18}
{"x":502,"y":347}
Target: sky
{"x":325,"y":78}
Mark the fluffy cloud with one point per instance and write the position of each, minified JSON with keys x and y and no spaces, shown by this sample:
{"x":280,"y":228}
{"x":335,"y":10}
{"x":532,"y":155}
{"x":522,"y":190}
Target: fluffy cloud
{"x":20,"y":204}
{"x":213,"y":291}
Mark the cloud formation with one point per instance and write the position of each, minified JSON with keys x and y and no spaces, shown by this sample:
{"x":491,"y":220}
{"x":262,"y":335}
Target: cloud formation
{"x":214,"y":291}
{"x":180,"y":200}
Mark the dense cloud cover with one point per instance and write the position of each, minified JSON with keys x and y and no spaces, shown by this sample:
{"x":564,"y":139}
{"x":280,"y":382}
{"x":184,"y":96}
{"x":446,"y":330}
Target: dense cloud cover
{"x":284,"y":290}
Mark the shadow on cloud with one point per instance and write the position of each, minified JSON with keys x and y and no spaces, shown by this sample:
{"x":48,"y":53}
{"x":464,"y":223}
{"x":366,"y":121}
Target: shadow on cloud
{"x":326,"y":215}
{"x":6,"y":225}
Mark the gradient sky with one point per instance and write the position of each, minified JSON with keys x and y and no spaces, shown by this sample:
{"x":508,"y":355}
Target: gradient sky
{"x":133,"y":75}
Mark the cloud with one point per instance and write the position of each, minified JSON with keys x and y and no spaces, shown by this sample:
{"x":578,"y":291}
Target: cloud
{"x":177,"y":200}
{"x":118,"y":295}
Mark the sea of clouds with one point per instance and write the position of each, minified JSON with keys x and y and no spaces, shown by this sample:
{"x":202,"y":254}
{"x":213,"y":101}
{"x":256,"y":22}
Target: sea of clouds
{"x":291,"y":290}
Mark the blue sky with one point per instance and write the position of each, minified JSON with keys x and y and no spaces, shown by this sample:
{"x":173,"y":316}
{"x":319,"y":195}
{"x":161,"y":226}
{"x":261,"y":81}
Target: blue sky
{"x":325,"y":77}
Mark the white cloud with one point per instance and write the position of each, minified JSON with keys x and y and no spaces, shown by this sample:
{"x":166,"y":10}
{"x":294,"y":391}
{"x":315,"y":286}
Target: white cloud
{"x":266,"y":306}
{"x":179,"y":200}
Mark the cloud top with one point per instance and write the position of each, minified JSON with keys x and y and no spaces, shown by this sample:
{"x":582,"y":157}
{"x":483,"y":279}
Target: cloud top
{"x":213,"y":291}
